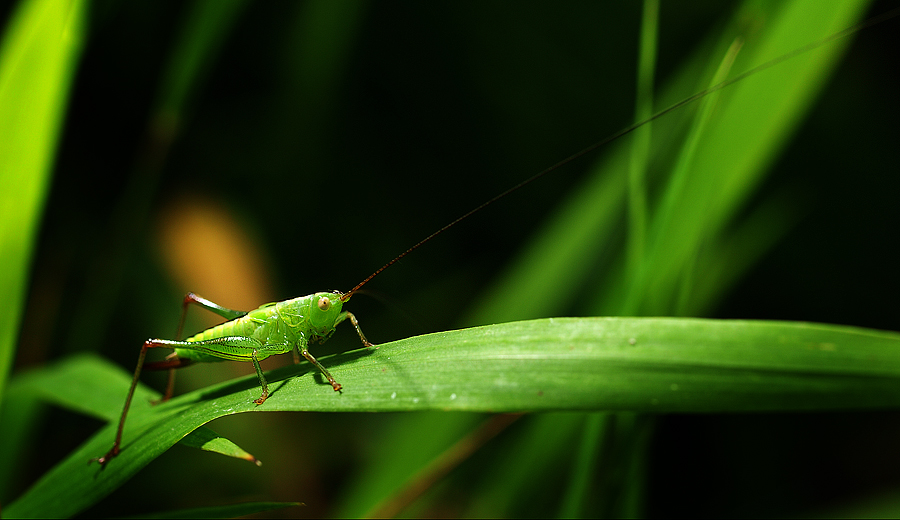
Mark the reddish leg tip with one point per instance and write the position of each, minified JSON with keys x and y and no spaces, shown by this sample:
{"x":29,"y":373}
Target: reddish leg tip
{"x":106,"y":458}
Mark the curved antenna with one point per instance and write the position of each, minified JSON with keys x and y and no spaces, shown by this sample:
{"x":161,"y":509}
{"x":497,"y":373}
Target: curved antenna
{"x":627,"y":130}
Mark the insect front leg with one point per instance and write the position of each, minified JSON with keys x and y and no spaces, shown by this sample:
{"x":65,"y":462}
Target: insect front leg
{"x":301,"y":347}
{"x":262,"y":378}
{"x":309,"y":357}
{"x":362,"y":337}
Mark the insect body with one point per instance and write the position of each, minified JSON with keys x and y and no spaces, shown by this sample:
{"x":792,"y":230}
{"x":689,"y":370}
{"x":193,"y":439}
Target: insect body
{"x":273,"y":328}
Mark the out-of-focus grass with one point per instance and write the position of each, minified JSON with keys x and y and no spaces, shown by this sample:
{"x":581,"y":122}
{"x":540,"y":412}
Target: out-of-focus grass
{"x":40,"y":48}
{"x":39,"y":51}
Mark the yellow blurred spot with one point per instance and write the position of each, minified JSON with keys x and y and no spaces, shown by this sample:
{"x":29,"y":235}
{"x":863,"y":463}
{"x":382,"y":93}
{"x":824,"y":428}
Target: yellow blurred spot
{"x":206,"y":251}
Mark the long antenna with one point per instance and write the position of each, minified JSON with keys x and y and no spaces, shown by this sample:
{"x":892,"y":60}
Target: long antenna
{"x":627,"y":130}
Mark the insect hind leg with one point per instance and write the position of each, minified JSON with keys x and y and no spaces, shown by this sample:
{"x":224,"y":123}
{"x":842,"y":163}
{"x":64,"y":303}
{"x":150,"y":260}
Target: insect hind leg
{"x":189,"y":298}
{"x":114,"y":451}
{"x":171,"y":362}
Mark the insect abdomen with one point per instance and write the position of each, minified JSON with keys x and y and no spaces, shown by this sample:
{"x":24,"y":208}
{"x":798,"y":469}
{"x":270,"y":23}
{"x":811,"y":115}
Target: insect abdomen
{"x":266,"y":325}
{"x":247,"y":326}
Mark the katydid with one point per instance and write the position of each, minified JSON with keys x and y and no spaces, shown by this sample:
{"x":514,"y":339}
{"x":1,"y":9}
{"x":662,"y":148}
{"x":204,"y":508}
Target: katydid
{"x":273,"y":328}
{"x":292,"y":325}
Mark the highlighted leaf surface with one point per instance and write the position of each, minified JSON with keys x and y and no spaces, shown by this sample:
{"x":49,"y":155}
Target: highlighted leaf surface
{"x":640,"y":364}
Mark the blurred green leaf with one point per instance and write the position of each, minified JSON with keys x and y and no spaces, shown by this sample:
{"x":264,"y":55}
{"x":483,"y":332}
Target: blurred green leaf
{"x":38,"y":55}
{"x":882,"y":505}
{"x":393,"y":464}
{"x":525,"y":464}
{"x":93,"y":387}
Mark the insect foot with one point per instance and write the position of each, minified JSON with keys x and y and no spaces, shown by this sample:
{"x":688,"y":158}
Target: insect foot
{"x":106,"y":458}
{"x":262,"y":398}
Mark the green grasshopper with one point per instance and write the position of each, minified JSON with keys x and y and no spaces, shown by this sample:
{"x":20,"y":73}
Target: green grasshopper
{"x":273,"y":328}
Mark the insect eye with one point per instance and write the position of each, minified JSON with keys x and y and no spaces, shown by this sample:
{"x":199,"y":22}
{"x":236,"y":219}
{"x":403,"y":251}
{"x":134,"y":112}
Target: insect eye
{"x":324,"y":303}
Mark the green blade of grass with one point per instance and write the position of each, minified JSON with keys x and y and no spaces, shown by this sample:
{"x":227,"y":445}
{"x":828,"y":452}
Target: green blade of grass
{"x":584,"y":465}
{"x":752,"y":124}
{"x":38,"y":55}
{"x":393,"y":467}
{"x":637,"y":172}
{"x":525,"y":464}
{"x":39,"y":52}
{"x":639,"y":364}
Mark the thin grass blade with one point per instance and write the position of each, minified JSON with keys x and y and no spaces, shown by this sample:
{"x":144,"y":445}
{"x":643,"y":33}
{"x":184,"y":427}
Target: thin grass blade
{"x":38,"y":56}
